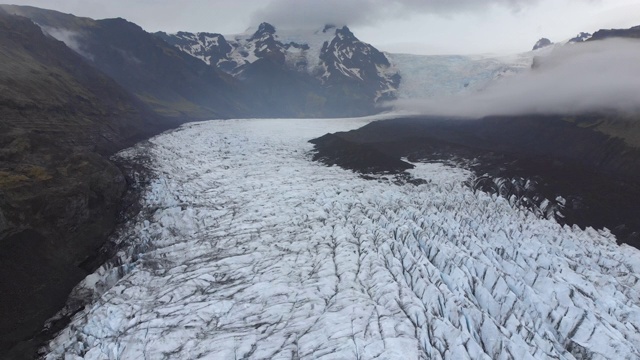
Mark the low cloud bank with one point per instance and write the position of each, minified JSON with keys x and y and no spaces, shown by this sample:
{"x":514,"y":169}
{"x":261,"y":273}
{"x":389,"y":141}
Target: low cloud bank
{"x":576,"y":78}
{"x":315,"y":13}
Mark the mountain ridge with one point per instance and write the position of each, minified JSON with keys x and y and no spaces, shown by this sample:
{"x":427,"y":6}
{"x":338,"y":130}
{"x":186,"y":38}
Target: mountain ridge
{"x":630,"y":33}
{"x":332,"y":59}
{"x":168,"y":81}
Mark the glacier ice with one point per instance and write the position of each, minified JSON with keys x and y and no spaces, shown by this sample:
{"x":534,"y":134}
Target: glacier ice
{"x":429,"y":76}
{"x":254,"y":251}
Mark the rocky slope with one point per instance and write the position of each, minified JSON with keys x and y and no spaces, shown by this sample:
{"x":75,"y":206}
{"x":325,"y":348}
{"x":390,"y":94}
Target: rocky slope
{"x":59,"y":195}
{"x":169,"y":81}
{"x":328,"y":72}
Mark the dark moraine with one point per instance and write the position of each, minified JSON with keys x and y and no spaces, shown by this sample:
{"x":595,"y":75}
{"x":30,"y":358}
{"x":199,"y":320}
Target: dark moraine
{"x":526,"y":158}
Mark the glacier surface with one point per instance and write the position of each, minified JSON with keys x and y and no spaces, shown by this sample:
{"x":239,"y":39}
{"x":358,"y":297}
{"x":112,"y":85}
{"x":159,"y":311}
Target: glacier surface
{"x":247,"y":249}
{"x":430,"y":76}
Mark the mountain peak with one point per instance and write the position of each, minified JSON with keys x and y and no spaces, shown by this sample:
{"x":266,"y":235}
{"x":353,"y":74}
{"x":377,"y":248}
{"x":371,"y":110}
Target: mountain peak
{"x":344,"y":32}
{"x":544,"y":42}
{"x":581,"y":37}
{"x":328,"y":27}
{"x":264,"y":28}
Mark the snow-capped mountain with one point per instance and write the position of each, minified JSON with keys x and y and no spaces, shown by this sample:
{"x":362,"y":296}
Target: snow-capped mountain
{"x":335,"y":57}
{"x":208,"y":47}
{"x":330,"y":55}
{"x":346,"y":58}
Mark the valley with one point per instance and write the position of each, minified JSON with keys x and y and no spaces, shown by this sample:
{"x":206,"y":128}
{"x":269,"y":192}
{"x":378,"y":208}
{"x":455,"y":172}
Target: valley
{"x":294,"y":191}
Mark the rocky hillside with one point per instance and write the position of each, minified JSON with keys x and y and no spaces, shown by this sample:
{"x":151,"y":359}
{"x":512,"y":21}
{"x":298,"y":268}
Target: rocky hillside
{"x":328,"y":72}
{"x":169,"y":81}
{"x":59,"y":195}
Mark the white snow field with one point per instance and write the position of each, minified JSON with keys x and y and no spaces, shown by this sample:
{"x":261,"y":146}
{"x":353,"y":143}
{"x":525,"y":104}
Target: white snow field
{"x":256,"y":252}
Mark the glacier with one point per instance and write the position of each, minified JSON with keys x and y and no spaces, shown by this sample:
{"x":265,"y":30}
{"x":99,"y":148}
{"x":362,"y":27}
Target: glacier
{"x":245,"y":248}
{"x":432,"y":76}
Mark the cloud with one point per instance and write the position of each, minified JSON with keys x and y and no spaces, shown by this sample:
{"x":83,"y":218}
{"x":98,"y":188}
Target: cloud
{"x":576,"y":78}
{"x":70,"y":38}
{"x":315,"y":13}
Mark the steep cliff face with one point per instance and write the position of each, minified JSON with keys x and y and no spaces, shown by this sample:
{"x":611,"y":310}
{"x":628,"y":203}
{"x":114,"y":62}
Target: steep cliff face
{"x":59,"y":194}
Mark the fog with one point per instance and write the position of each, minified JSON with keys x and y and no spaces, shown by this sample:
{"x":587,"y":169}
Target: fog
{"x":575,"y":78}
{"x":315,"y":13}
{"x":69,"y":38}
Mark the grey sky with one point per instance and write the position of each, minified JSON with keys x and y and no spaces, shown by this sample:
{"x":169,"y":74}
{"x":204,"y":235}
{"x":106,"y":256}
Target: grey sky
{"x":410,"y":26}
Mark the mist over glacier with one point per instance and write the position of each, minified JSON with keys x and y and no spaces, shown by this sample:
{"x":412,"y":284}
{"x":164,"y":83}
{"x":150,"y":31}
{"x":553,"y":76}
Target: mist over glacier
{"x":571,"y":79}
{"x":247,"y":249}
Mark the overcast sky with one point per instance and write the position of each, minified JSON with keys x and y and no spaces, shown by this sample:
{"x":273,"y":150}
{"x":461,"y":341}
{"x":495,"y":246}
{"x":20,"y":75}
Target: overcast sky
{"x":407,"y":26}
